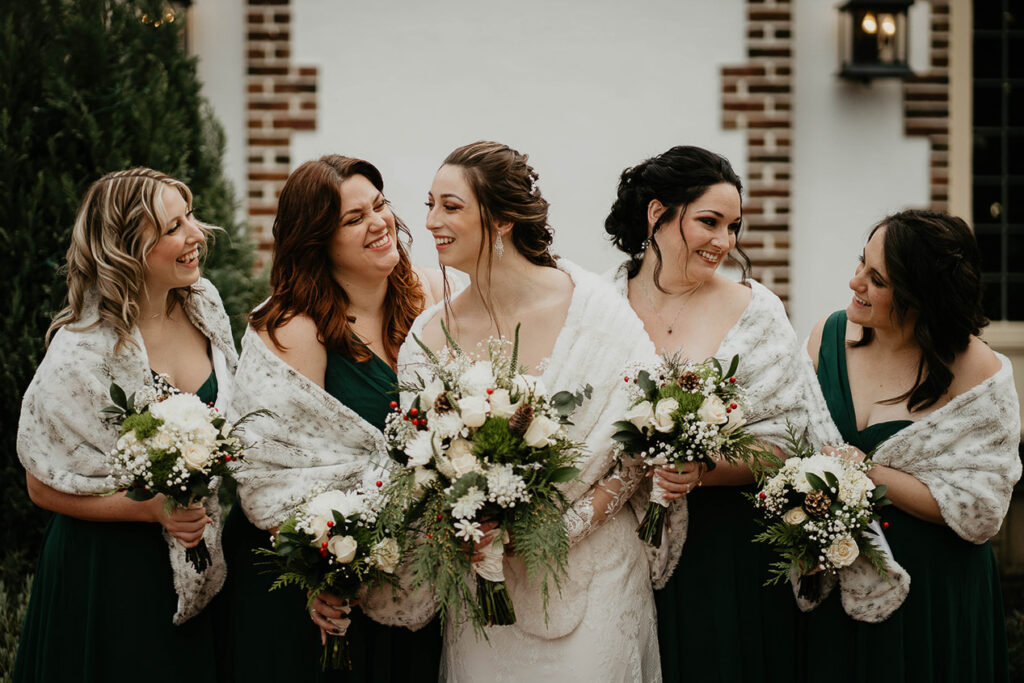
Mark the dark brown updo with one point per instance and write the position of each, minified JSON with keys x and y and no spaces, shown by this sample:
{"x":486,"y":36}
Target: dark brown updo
{"x":675,"y":178}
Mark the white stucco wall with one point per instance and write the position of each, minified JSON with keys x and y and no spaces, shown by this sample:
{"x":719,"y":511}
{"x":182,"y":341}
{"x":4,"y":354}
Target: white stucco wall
{"x":585,"y":87}
{"x":217,"y":37}
{"x":852,"y":164}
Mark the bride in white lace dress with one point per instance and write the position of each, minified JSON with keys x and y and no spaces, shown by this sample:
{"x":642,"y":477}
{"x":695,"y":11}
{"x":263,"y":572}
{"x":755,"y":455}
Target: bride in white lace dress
{"x":488,"y":219}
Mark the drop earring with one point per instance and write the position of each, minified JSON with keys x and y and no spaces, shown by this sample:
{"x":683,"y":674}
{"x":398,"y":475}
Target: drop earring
{"x":499,"y":247}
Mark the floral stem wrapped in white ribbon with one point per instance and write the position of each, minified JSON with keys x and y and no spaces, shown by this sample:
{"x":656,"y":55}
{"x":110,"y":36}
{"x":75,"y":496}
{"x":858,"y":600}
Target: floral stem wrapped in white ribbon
{"x":681,"y":412}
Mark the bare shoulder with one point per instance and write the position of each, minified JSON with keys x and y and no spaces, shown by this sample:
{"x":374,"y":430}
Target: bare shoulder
{"x":972,"y":367}
{"x":298,"y":345}
{"x":733,"y":297}
{"x":814,"y":341}
{"x":433,"y":285}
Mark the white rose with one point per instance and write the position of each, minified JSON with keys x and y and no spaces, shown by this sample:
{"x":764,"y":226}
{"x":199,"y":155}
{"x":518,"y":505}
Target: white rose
{"x":795,"y":516}
{"x":317,"y":527}
{"x":736,"y":420}
{"x":712,"y":411}
{"x":501,"y":403}
{"x":385,"y":555}
{"x":641,"y":414}
{"x":343,"y":548}
{"x":663,"y":415}
{"x":539,"y":432}
{"x":528,"y":385}
{"x":461,"y":457}
{"x":195,"y":457}
{"x":473,"y":410}
{"x":477,"y":379}
{"x":842,"y":552}
{"x":430,"y":393}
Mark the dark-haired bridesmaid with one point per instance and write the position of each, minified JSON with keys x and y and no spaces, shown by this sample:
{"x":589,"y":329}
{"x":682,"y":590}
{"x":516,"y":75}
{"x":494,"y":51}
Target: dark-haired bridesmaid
{"x":320,"y":353}
{"x":907,"y":380}
{"x":678,"y":216}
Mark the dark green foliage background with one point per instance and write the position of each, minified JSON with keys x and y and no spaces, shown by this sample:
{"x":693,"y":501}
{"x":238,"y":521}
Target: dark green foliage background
{"x":88,"y":87}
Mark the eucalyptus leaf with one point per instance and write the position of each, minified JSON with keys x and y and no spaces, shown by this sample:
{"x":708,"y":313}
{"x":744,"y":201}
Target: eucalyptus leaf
{"x":563,"y":474}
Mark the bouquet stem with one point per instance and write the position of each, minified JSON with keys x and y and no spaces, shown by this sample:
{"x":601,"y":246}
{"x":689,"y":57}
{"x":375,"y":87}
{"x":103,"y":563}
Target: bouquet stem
{"x":495,"y":602}
{"x":199,"y":556}
{"x":335,"y":654}
{"x":653,"y":524}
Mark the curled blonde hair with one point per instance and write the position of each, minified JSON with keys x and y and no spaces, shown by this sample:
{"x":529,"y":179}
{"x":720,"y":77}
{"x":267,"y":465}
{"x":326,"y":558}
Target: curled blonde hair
{"x":109,"y":246}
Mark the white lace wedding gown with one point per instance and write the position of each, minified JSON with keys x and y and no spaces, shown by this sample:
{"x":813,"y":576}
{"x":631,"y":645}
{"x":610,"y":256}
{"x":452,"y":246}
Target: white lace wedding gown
{"x":601,"y":627}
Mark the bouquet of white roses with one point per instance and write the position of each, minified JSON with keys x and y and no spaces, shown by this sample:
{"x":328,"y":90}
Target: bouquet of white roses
{"x":171,"y":443}
{"x":681,"y":412}
{"x":479,"y":442}
{"x":333,"y":543}
{"x":817,"y":511}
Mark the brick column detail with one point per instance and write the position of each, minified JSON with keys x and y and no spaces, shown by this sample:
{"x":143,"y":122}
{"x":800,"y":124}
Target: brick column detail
{"x":926,"y":105}
{"x":757,"y":98}
{"x":280,"y":99}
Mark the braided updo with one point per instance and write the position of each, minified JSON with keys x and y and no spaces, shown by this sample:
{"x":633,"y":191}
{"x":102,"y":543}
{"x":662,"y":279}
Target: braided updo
{"x":675,"y":178}
{"x":505,"y":186}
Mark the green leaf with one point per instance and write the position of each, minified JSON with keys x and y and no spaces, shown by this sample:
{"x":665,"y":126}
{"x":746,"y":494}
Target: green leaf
{"x":563,"y":474}
{"x":879,"y":492}
{"x":832,"y":481}
{"x":735,"y":363}
{"x":816,"y":481}
{"x":646,"y":384}
{"x":564,"y":402}
{"x":465,"y":482}
{"x":451,"y":340}
{"x":514,"y":360}
{"x":118,"y":397}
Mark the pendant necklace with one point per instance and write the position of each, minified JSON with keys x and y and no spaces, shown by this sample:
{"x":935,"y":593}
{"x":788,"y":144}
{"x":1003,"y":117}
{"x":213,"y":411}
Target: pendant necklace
{"x":689,"y":296}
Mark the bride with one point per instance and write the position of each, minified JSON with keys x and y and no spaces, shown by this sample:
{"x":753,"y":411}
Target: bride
{"x":489,"y":220}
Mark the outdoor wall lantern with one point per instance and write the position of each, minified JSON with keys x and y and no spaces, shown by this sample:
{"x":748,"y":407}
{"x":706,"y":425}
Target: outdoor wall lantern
{"x":873,"y":39}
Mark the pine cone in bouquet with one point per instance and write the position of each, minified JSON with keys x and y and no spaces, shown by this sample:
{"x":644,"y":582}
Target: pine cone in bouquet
{"x":817,"y":503}
{"x":689,"y":381}
{"x":521,"y":419}
{"x":442,"y":404}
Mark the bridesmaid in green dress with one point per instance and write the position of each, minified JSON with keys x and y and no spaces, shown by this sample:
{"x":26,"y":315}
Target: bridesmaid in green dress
{"x":103,"y":597}
{"x":344,"y":296}
{"x":905,"y":347}
{"x":678,"y":216}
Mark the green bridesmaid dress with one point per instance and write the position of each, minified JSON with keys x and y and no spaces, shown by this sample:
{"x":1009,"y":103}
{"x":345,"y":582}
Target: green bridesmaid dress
{"x":717,"y":621}
{"x":101,"y":607}
{"x":268,"y":634}
{"x":951,"y":626}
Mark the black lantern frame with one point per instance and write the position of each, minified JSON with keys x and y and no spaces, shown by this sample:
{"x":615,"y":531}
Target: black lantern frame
{"x":873,"y":39}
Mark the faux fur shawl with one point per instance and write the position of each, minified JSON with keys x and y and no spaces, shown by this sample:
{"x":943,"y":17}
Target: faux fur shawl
{"x":64,"y":441}
{"x":312,"y":440}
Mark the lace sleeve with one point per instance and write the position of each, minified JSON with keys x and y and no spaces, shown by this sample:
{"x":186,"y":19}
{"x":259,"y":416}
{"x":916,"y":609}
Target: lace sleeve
{"x":603,"y":500}
{"x":401,"y":606}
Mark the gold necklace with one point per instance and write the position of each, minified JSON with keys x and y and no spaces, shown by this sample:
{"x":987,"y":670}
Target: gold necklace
{"x":689,"y":296}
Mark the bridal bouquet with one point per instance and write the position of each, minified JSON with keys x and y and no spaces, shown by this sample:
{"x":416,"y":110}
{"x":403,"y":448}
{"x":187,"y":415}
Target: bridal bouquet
{"x":681,"y":412}
{"x":481,"y":442}
{"x":817,"y":511}
{"x":333,"y":543}
{"x":171,"y":443}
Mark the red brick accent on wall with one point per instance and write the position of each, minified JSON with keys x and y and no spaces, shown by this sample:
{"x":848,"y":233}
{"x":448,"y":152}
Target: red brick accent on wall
{"x":926,"y":104}
{"x":280,"y":98}
{"x":757,"y":98}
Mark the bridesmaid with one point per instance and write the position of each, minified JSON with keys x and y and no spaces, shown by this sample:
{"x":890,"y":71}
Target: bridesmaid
{"x":678,"y":216}
{"x":906,"y":379}
{"x":320,"y":353}
{"x":103,"y":605}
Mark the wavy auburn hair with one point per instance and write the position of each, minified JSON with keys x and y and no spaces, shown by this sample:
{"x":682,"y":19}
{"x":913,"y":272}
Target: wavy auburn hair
{"x":117,"y":225}
{"x":308,"y":216}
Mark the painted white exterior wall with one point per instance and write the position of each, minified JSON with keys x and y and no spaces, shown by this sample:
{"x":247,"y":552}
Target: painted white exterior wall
{"x":217,"y":37}
{"x":586,"y":88}
{"x":852,"y":164}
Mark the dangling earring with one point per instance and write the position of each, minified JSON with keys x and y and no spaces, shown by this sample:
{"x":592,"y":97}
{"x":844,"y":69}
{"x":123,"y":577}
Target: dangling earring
{"x":499,"y":247}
